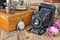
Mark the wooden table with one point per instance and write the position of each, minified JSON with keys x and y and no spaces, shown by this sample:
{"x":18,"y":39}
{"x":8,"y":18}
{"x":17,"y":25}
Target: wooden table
{"x":25,"y":35}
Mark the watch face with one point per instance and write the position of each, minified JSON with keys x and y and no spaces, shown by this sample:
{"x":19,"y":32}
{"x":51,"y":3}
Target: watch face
{"x":21,"y":25}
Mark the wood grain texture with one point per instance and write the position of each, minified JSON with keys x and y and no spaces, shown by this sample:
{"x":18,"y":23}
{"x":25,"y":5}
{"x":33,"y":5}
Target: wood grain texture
{"x":52,"y":1}
{"x":4,"y":35}
{"x":45,"y":36}
{"x":24,"y":35}
{"x":31,"y":36}
{"x":55,"y":37}
{"x":9,"y":21}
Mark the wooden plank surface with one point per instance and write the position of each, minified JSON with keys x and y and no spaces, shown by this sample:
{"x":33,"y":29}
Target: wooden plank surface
{"x":56,"y":37}
{"x":8,"y":35}
{"x":25,"y":35}
{"x":31,"y":36}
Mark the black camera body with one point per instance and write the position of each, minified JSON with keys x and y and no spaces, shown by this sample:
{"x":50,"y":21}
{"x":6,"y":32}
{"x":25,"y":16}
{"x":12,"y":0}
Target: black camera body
{"x":43,"y":19}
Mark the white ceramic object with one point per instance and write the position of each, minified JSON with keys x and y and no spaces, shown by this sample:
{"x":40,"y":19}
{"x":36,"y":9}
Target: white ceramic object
{"x":24,"y":6}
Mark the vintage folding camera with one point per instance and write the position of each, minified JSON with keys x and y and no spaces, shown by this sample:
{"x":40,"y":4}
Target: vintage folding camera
{"x":43,"y":18}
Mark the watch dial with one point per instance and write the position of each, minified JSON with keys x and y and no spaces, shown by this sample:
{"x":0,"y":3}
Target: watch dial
{"x":21,"y":25}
